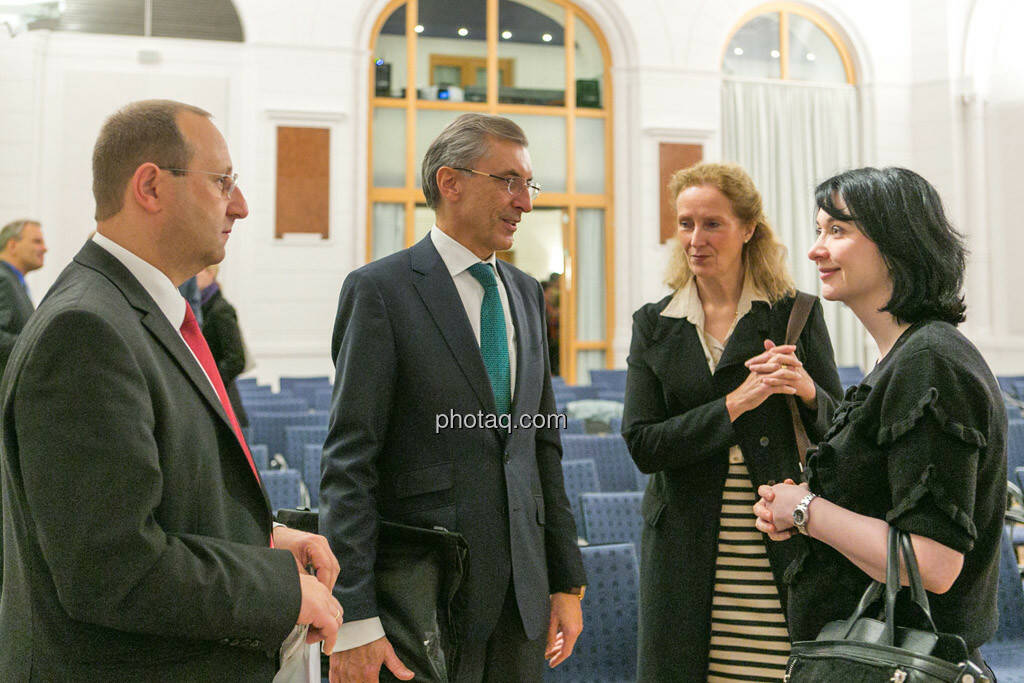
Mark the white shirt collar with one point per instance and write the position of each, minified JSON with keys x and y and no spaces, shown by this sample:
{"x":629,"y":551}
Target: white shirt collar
{"x":455,"y":255}
{"x":686,"y":303}
{"x":167,"y":297}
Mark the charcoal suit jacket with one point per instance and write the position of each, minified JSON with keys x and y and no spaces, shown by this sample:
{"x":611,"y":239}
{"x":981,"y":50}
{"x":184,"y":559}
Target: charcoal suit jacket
{"x":136,"y":534}
{"x":405,"y":354}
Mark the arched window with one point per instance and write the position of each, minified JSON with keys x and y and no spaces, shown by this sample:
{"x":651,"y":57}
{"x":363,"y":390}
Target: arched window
{"x":543,"y":64}
{"x":790,"y":117}
{"x":787,"y":42}
{"x":195,"y":19}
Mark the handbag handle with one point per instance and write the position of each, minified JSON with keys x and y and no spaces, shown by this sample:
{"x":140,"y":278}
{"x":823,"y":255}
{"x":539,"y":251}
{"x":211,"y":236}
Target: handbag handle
{"x":898,"y":542}
{"x":801,"y":310}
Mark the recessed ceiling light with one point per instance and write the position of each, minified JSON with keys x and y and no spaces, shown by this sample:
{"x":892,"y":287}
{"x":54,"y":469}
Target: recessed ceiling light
{"x":546,"y":37}
{"x":463,"y":31}
{"x":811,"y":57}
{"x":419,"y":28}
{"x":506,"y":34}
{"x":775,"y":54}
{"x":737,"y":51}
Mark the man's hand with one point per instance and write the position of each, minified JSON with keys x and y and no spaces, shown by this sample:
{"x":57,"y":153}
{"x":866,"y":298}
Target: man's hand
{"x":320,"y":610}
{"x":310,"y":550}
{"x":565,"y":627}
{"x":362,"y":664}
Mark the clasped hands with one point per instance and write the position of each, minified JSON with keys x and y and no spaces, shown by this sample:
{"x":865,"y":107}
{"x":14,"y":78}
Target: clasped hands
{"x":776,"y":371}
{"x":775,"y":508}
{"x":320,"y":609}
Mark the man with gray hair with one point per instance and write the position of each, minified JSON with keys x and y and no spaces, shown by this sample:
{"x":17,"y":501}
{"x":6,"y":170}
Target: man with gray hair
{"x":21,"y":251}
{"x":440,"y":330}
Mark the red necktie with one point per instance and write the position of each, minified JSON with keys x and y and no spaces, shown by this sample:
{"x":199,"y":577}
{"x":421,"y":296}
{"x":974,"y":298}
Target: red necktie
{"x":197,"y":342}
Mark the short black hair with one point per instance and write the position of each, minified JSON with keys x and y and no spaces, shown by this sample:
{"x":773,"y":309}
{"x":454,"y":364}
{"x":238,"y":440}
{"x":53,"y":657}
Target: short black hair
{"x":902,"y":214}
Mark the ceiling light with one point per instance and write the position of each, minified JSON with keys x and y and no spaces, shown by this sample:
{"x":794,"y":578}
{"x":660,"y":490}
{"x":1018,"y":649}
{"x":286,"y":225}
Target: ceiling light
{"x":546,"y":37}
{"x":463,"y":31}
{"x":737,"y":51}
{"x":811,"y":57}
{"x":419,"y":28}
{"x":775,"y":54}
{"x":506,"y":34}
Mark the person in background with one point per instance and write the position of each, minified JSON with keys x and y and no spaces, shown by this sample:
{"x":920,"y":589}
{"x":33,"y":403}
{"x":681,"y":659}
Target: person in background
{"x":220,"y":327}
{"x":139,"y":540}
{"x":920,"y":443}
{"x":710,"y":430}
{"x":21,"y":251}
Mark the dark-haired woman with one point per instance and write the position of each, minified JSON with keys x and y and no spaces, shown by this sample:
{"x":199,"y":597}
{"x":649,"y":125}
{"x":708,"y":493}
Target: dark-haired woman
{"x":920,"y":443}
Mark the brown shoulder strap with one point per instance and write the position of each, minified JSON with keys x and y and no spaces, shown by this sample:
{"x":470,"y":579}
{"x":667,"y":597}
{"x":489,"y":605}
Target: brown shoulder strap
{"x":797,"y":319}
{"x":798,"y":316}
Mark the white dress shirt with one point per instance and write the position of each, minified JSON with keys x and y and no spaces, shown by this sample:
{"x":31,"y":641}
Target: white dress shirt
{"x":159,"y":287}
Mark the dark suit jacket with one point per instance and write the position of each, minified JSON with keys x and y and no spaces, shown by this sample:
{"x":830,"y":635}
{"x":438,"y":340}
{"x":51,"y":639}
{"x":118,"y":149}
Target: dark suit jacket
{"x":220,"y":327}
{"x":405,"y":353}
{"x":15,"y":309}
{"x":678,"y":428}
{"x":135,"y":533}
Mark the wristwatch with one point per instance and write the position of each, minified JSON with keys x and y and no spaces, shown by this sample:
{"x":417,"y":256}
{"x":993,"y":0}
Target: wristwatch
{"x":800,"y":513}
{"x":578,"y":591}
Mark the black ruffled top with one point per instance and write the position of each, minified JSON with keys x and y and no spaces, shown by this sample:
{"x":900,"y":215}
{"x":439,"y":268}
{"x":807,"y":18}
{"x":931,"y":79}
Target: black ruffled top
{"x":920,"y":443}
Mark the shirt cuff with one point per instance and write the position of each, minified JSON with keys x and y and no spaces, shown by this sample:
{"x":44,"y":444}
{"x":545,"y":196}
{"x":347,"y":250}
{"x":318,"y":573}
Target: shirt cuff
{"x":360,"y":632}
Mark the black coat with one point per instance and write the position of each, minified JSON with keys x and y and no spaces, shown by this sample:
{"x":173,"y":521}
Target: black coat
{"x":678,"y":428}
{"x":220,"y":327}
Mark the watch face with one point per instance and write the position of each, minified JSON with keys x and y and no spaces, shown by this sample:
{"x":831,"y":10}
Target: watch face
{"x":799,"y":516}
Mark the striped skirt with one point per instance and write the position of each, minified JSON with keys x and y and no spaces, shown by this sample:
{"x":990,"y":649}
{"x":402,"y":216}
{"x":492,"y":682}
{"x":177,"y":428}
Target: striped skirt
{"x":749,"y":638}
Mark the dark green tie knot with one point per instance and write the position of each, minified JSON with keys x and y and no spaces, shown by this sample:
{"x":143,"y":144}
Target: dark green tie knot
{"x":484,"y":274}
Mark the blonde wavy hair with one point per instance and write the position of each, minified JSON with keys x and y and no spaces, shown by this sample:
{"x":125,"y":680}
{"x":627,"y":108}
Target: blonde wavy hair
{"x":764,"y":256}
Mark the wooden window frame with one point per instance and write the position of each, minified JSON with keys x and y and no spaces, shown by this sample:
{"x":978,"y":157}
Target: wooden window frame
{"x":468,"y":67}
{"x":784,"y":10}
{"x":570,"y":200}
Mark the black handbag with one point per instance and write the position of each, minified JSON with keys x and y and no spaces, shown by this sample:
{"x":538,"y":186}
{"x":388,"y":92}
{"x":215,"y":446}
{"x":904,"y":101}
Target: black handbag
{"x":418,"y":575}
{"x":862,"y":649}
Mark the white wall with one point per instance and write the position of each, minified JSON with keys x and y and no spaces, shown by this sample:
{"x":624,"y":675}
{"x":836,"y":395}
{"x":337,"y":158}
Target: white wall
{"x":307,"y":66}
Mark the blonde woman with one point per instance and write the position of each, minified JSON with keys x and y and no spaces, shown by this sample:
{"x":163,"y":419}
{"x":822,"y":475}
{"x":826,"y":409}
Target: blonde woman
{"x":710,"y":431}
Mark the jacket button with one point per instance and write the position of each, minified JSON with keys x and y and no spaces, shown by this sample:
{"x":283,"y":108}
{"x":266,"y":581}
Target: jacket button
{"x":764,"y":441}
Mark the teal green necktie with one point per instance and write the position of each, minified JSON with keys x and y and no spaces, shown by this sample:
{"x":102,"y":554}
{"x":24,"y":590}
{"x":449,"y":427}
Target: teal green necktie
{"x":493,"y":338}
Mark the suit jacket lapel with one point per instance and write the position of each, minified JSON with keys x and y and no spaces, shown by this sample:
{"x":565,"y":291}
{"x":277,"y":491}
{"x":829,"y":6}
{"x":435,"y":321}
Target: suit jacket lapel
{"x":153,"y":319}
{"x":747,"y":340}
{"x":435,"y":287}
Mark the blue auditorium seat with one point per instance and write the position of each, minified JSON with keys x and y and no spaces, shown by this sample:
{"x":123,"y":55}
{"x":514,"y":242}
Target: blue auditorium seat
{"x":283,"y":488}
{"x":305,"y":387}
{"x":580,"y":477}
{"x":1004,"y":653}
{"x":311,"y":472}
{"x":1015,"y":444}
{"x":274,"y":404}
{"x":297,"y":437}
{"x":609,"y":379}
{"x":322,"y":399}
{"x":615,"y":468}
{"x":612,"y":517}
{"x":606,"y":650}
{"x":268,"y":428}
{"x":574,"y":426}
{"x":260,"y":456}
